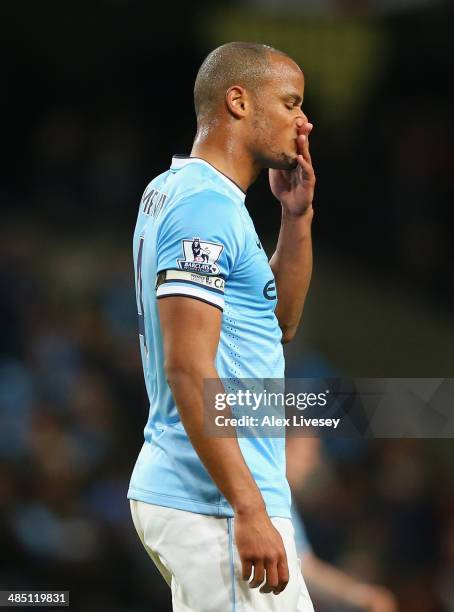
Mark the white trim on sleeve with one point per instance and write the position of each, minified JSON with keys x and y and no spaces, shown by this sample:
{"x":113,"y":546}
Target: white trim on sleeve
{"x":196,"y":292}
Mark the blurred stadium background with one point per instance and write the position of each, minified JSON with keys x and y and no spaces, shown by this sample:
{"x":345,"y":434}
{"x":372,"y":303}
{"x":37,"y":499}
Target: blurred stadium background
{"x":97,"y":97}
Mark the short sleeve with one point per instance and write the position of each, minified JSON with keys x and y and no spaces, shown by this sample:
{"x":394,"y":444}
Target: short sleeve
{"x":199,"y":243}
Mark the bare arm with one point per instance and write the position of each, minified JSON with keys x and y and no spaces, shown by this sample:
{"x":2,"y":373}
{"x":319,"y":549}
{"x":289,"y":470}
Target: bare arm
{"x":292,"y":260}
{"x":292,"y":269}
{"x":338,"y":586}
{"x":191,"y":332}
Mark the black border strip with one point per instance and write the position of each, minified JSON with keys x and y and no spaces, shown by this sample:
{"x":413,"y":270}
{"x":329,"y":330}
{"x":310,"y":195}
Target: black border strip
{"x":161,"y":297}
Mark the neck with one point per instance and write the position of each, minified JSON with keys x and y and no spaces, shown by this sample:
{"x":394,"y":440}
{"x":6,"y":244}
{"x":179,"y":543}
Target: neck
{"x":227,"y":154}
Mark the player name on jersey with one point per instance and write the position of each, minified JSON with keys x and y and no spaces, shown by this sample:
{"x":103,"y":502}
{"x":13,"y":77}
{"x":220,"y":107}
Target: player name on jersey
{"x":153,"y":202}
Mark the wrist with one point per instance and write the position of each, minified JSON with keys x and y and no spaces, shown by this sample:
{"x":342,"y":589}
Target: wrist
{"x":305,"y":215}
{"x":246,"y":508}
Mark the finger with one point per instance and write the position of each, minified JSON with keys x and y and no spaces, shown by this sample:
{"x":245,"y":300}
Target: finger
{"x":306,"y":154}
{"x":283,"y":575}
{"x":259,"y":575}
{"x":303,"y":139}
{"x":300,"y":140}
{"x":272,"y":579}
{"x":303,"y":146}
{"x":305,"y":129}
{"x":306,"y":168}
{"x":310,"y":128}
{"x":247,"y":569}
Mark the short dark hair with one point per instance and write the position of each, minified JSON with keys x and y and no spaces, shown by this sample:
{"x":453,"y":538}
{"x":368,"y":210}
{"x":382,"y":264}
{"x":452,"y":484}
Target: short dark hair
{"x":235,"y":63}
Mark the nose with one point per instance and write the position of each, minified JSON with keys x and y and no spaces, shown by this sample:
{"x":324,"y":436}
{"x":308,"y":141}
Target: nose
{"x":301,"y":119}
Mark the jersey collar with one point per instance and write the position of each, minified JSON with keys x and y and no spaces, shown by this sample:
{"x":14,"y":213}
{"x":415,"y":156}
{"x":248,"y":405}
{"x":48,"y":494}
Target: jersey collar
{"x":180,"y":161}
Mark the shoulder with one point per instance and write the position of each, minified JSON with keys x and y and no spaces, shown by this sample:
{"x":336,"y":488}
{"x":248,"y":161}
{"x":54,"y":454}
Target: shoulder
{"x":207,"y":200}
{"x":205,"y":210}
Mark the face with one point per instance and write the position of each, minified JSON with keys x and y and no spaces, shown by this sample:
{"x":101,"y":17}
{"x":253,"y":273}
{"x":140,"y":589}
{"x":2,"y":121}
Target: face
{"x":277,"y":106}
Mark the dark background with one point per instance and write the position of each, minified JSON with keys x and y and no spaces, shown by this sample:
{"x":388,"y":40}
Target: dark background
{"x":96,"y":98}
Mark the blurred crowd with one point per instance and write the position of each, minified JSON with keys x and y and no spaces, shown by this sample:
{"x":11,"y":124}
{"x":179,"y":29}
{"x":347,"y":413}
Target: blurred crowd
{"x":88,"y":127}
{"x":72,"y":407}
{"x":72,"y":410}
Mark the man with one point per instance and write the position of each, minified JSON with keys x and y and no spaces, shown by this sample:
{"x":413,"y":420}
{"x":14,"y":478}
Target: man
{"x":330,"y":584}
{"x":214,"y":512}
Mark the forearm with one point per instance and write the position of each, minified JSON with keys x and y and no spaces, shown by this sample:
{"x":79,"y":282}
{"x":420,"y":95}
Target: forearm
{"x":221,"y":456}
{"x":330,"y":582}
{"x":336,"y":586}
{"x":292,"y":268}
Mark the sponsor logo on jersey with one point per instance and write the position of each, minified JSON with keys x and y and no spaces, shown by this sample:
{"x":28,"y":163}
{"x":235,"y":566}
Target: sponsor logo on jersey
{"x":200,"y":256}
{"x":269,"y":290}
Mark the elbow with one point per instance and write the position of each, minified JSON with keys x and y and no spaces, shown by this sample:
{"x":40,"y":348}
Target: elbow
{"x":179,"y":369}
{"x":170,"y":371}
{"x":288,"y":333}
{"x":175,"y":369}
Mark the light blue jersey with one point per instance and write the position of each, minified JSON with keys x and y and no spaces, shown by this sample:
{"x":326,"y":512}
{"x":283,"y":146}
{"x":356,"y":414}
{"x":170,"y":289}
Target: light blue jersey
{"x":195,"y":238}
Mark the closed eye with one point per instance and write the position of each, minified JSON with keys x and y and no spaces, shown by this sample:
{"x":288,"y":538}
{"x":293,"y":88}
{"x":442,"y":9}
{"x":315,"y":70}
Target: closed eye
{"x":291,"y":106}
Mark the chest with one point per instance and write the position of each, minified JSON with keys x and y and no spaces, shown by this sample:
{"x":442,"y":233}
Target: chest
{"x":252,"y":282}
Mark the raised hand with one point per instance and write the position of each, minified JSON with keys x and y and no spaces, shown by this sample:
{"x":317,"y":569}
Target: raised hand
{"x":295,"y":188}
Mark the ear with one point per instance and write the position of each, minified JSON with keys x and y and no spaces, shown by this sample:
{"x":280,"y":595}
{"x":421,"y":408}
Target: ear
{"x":237,"y":101}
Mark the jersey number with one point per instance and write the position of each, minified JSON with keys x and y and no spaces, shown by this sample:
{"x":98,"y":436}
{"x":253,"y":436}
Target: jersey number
{"x":139,"y":294}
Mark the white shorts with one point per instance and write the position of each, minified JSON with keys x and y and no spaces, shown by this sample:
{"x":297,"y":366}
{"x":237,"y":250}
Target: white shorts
{"x":197,"y":556}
